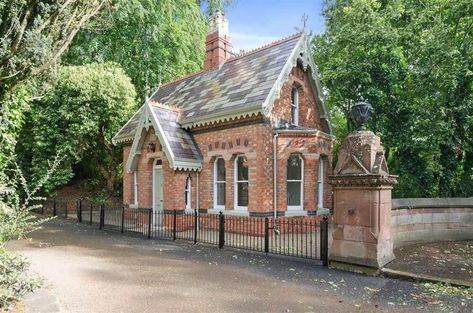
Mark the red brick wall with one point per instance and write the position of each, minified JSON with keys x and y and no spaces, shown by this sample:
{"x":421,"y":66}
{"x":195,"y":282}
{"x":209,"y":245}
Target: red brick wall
{"x":311,"y":149}
{"x":308,"y":109}
{"x":254,"y":139}
{"x":174,"y":181}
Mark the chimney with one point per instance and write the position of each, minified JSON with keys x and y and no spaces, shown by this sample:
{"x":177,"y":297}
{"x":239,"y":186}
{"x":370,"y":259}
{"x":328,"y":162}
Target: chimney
{"x":217,"y":45}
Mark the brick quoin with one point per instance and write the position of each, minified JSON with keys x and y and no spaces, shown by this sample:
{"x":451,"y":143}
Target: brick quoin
{"x":253,"y":137}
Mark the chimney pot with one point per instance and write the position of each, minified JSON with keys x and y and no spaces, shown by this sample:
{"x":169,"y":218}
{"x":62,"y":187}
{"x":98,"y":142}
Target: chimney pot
{"x":217,"y":44}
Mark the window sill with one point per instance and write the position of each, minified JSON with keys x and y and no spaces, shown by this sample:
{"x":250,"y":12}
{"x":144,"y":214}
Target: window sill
{"x":228,"y":212}
{"x":298,"y":212}
{"x":133,"y":206}
{"x":323,"y":211}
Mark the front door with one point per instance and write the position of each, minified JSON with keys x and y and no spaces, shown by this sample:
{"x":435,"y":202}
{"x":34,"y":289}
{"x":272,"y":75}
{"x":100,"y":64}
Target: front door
{"x":158,"y":194}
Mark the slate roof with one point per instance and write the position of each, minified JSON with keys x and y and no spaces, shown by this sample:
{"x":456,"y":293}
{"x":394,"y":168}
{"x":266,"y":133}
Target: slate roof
{"x":244,"y":85}
{"x":129,"y":128}
{"x":242,"y":82}
{"x":179,"y":140}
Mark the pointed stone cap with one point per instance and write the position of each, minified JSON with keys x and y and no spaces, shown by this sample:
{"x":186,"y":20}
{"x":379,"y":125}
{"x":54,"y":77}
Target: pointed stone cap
{"x":362,"y":155}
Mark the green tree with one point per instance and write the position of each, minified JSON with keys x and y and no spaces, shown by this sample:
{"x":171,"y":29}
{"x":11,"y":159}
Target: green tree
{"x":153,"y":41}
{"x":412,"y":60}
{"x":34,"y":34}
{"x":77,"y":118}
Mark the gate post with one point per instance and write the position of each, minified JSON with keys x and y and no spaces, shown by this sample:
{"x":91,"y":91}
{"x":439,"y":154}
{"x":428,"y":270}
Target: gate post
{"x":196,"y":220}
{"x":362,"y":239}
{"x":266,"y":235}
{"x":221,"y":230}
{"x":324,"y":240}
{"x":54,"y":207}
{"x":79,"y":210}
{"x":42,"y":207}
{"x":102,"y":216}
{"x":123,"y":219}
{"x":91,"y":207}
{"x":174,"y":221}
{"x":65,"y":213}
{"x":150,"y":211}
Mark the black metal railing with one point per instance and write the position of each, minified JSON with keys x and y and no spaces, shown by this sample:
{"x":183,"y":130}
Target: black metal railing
{"x":303,"y":237}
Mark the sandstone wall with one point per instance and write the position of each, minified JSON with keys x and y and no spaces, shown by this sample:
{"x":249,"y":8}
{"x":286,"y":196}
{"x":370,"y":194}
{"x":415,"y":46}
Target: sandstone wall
{"x":418,"y":220}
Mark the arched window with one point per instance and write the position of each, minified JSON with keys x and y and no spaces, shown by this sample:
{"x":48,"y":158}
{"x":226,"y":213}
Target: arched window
{"x":188,"y":192}
{"x":295,"y":182}
{"x":219,"y":183}
{"x":241,"y":183}
{"x":295,"y":106}
{"x":320,"y":183}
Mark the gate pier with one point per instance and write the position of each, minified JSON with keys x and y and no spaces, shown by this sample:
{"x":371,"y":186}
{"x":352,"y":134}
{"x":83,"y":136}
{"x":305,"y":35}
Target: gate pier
{"x":362,"y":240}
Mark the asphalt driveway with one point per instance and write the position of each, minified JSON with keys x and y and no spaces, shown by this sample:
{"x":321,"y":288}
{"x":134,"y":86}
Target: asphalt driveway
{"x":87,"y":270}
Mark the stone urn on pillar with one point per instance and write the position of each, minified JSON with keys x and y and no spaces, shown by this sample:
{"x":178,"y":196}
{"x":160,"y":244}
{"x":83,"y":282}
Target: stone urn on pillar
{"x":362,"y":239}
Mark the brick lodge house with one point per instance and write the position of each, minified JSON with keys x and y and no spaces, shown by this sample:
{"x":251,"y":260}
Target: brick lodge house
{"x":248,"y":135}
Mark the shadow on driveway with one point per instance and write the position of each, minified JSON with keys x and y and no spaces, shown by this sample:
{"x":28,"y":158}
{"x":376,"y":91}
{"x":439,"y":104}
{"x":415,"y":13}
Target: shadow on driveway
{"x":94,"y":271}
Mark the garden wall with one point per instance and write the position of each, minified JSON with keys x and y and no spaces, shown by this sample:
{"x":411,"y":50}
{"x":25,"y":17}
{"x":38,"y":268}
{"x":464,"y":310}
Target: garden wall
{"x":416,"y":220}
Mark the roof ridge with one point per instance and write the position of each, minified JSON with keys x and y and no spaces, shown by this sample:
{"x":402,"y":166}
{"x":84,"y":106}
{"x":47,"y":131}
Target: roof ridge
{"x":272,"y":44}
{"x":236,"y":57}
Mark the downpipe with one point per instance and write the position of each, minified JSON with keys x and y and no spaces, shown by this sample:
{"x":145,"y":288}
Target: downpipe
{"x":275,"y":184}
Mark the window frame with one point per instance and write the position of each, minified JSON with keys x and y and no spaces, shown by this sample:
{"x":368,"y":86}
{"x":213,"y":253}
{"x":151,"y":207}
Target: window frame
{"x":320,"y":182}
{"x":236,"y":182}
{"x":188,"y":192}
{"x":301,"y":181}
{"x":216,"y":182}
{"x":295,"y":106}
{"x":135,"y":190}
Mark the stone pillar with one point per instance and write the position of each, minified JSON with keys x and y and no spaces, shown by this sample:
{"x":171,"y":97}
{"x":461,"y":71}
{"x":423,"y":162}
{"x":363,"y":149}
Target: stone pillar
{"x":362,"y":240}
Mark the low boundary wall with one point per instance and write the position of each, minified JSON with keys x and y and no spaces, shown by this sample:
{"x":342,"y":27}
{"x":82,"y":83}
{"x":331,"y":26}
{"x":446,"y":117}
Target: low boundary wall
{"x":417,"y":220}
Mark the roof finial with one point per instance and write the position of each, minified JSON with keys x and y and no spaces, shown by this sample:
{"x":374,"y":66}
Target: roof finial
{"x":304,"y":19}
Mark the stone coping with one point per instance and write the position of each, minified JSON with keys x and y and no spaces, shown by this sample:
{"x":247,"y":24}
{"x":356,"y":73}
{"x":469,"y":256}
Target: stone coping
{"x":423,"y":203}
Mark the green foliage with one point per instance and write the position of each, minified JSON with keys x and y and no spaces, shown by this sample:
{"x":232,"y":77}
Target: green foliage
{"x":15,"y":223}
{"x":15,"y":281}
{"x":412,"y":60}
{"x":34,"y":34}
{"x":78,"y":119}
{"x":11,"y":121}
{"x":153,"y":41}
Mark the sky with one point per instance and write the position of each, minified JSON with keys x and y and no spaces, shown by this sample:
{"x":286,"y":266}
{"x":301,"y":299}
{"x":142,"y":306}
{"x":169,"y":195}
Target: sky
{"x":254,"y":23}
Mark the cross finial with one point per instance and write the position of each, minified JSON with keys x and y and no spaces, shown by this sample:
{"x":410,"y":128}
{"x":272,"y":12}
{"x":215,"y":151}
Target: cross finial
{"x":304,"y":19}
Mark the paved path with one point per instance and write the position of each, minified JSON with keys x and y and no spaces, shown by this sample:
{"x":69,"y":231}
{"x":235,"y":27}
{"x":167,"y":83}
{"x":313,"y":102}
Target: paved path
{"x":444,"y":260}
{"x":88,"y":270}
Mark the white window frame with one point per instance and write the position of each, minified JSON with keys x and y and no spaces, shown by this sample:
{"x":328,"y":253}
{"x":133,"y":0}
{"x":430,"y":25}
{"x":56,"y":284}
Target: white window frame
{"x":216,"y":182}
{"x":188,"y":192}
{"x":301,"y":181}
{"x":235,"y":186}
{"x":135,"y":190}
{"x":320,"y":183}
{"x":295,"y":105}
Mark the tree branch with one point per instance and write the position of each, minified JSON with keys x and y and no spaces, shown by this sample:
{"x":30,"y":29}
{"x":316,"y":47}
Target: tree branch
{"x":65,"y":44}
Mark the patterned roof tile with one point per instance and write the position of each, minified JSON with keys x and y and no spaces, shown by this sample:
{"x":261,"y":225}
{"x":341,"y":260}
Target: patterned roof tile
{"x":180,"y":141}
{"x":241,"y":82}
